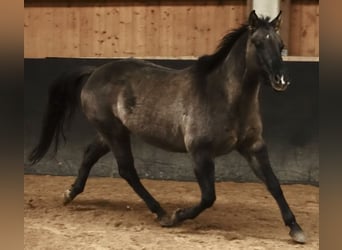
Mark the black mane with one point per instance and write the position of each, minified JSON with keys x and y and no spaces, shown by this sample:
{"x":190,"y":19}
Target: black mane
{"x":207,"y":63}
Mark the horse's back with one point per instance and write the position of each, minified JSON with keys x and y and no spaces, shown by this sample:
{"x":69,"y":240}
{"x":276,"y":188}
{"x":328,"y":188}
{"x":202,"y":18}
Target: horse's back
{"x":124,"y":70}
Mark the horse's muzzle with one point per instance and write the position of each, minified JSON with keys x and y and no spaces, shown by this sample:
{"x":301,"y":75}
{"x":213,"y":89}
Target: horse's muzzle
{"x":280,"y":82}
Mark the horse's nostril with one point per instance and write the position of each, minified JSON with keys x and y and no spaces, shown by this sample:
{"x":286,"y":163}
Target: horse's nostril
{"x":280,"y":79}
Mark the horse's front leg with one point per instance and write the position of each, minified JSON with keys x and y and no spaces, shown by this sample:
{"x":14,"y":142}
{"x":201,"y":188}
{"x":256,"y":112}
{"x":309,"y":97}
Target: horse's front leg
{"x":258,"y":159}
{"x":205,"y":174}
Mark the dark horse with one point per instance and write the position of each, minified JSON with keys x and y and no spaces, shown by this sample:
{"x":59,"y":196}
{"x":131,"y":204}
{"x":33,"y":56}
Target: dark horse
{"x":207,"y":110}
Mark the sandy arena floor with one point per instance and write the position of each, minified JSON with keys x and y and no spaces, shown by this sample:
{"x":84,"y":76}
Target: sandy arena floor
{"x":109,"y":215}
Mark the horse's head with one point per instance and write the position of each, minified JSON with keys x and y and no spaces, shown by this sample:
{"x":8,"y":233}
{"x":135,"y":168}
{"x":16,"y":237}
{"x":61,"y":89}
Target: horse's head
{"x":265,"y":47}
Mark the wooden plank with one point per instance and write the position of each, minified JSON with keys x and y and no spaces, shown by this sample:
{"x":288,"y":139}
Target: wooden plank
{"x":73,"y":38}
{"x":27,"y":39}
{"x":285,"y":7}
{"x":316,"y":33}
{"x":152,"y":29}
{"x":190,"y":31}
{"x":139,"y":22}
{"x":86,"y":31}
{"x":301,"y":58}
{"x":166,"y":33}
{"x":126,"y":30}
{"x":31,"y":36}
{"x":179,"y":29}
{"x":201,"y":41}
{"x":97,"y":29}
{"x":115,"y":31}
{"x":295,"y":28}
{"x":58,"y":33}
{"x":106,"y":34}
{"x":308,"y":30}
{"x":210,"y":28}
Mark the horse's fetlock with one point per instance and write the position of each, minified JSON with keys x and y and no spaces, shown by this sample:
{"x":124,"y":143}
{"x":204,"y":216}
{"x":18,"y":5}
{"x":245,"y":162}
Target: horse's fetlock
{"x":75,"y":190}
{"x":290,"y":220}
{"x":67,"y":198}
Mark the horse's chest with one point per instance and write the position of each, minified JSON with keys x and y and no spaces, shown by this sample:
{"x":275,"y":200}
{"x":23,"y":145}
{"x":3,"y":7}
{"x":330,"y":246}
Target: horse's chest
{"x":225,"y":142}
{"x":221,"y":133}
{"x":228,"y":139}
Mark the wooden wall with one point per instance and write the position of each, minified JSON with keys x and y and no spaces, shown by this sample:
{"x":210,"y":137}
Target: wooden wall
{"x":151,"y":28}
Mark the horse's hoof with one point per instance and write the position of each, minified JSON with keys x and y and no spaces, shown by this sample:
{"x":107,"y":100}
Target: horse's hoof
{"x":297,"y":234}
{"x":66,"y":197}
{"x":170,"y":221}
{"x":165,"y":221}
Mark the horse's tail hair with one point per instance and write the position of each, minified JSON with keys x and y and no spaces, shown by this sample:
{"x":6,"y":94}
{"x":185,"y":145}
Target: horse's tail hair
{"x":63,"y":99}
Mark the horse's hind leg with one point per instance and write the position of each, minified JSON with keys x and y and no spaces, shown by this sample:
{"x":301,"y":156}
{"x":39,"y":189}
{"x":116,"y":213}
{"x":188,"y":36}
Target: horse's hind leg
{"x":93,"y":152}
{"x":259,"y":162}
{"x":119,"y":141}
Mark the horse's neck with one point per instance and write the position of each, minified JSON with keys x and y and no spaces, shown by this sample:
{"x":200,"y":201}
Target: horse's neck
{"x":250,"y":90}
{"x":241,"y":84}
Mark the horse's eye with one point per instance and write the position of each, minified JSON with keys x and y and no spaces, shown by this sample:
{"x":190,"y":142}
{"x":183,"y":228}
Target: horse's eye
{"x":258,"y":43}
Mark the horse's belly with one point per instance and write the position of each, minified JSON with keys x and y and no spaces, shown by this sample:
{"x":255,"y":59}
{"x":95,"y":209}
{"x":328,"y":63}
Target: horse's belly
{"x":225,"y":145}
{"x":172,"y":145}
{"x":160,"y":133}
{"x":165,"y":137}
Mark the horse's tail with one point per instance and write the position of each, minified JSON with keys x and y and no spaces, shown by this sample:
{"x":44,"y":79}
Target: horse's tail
{"x":64,"y":96}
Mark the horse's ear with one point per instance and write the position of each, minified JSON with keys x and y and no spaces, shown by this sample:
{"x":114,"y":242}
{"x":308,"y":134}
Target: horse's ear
{"x":276,"y":22}
{"x":253,"y":21}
